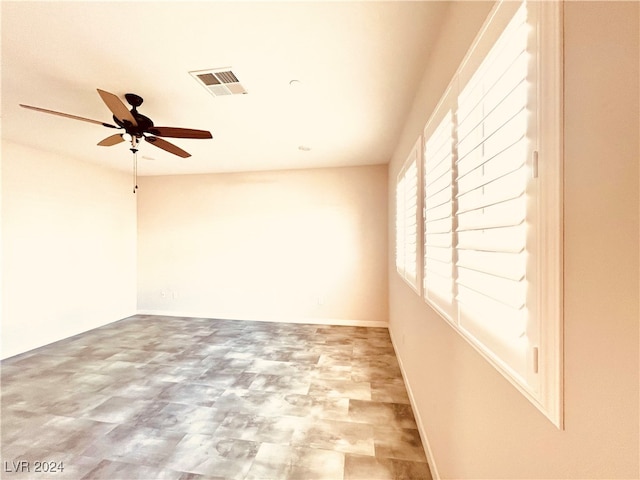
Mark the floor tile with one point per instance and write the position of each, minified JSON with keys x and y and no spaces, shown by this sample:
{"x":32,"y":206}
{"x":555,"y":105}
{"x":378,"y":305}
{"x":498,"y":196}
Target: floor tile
{"x":115,"y":470}
{"x":396,"y":415}
{"x":193,"y":398}
{"x":276,"y":429}
{"x":364,"y":467}
{"x":401,"y":444}
{"x":295,"y":463}
{"x":213,"y":377}
{"x":340,"y":388}
{"x":118,"y":409}
{"x":389,"y":391}
{"x":185,"y":418}
{"x":359,"y":467}
{"x":213,"y":456}
{"x":346,"y":437}
{"x":136,"y":445}
{"x":280,"y":384}
{"x":191,"y":394}
{"x":69,"y":435}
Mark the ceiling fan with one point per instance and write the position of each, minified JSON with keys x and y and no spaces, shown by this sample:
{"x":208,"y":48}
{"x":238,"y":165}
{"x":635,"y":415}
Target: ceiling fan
{"x":135,"y":125}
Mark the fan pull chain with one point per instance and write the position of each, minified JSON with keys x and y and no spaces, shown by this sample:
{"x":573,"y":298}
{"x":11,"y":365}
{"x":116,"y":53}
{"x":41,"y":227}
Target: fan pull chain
{"x":134,"y":149}
{"x":135,"y":171}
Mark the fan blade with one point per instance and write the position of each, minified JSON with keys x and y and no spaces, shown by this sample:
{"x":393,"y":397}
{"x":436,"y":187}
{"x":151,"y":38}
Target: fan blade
{"x":112,"y":140}
{"x":67,"y":115}
{"x":169,"y":147}
{"x":117,"y":107}
{"x":179,"y":132}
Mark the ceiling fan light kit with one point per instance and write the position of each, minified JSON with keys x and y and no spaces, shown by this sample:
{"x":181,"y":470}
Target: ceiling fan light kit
{"x":135,"y":125}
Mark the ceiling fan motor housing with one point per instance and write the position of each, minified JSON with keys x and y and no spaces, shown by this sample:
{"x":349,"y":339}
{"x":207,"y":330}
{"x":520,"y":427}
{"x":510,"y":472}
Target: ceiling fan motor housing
{"x":144,"y":123}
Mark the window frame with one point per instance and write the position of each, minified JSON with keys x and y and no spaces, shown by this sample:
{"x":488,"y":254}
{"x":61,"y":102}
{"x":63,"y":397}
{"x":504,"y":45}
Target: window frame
{"x":546,"y":357}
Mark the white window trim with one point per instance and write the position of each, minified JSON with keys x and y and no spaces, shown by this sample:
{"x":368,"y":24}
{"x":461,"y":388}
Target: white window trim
{"x":550,"y":234}
{"x":414,"y":158}
{"x":549,"y":397}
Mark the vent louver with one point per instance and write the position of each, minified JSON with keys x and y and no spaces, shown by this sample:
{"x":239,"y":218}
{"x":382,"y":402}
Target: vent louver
{"x":219,"y":81}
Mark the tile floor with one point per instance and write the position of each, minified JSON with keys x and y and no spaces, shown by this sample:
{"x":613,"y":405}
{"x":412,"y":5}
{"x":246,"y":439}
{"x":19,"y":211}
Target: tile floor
{"x":153,"y":397}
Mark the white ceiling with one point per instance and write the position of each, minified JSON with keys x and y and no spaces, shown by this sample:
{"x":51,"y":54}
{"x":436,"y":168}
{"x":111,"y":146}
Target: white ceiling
{"x":358,"y":64}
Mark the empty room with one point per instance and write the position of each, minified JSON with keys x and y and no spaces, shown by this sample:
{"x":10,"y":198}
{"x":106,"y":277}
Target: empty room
{"x":345,"y":240}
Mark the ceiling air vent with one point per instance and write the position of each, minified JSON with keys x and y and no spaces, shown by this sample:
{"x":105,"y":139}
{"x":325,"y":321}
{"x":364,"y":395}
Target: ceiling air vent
{"x":219,"y":81}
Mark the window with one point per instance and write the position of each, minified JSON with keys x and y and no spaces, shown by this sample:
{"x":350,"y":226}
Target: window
{"x":439,"y":252}
{"x":492,"y":181}
{"x":407,"y":220}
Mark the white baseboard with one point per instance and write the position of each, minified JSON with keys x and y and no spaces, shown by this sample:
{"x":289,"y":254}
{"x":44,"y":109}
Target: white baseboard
{"x":314,"y":321}
{"x":416,"y":413}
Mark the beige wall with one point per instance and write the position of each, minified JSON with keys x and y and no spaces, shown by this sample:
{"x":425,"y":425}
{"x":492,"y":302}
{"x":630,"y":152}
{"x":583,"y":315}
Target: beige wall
{"x":287,"y":245}
{"x":477,"y":424}
{"x":68,"y":248}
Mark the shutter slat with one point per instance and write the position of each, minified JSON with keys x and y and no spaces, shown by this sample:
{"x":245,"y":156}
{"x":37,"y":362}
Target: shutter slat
{"x":440,"y":198}
{"x":437,"y":213}
{"x":438,"y":240}
{"x":440,"y":283}
{"x":517,"y":149}
{"x":496,"y":62}
{"x":504,"y":188}
{"x":499,"y":168}
{"x":444,"y":225}
{"x":502,"y":264}
{"x":496,"y":317}
{"x":505,"y":239}
{"x":511,"y":128}
{"x":438,"y":146}
{"x":510,"y":212}
{"x":439,"y":155}
{"x":505,"y":91}
{"x":485,"y":97}
{"x":439,"y":174}
{"x":440,"y":254}
{"x":512,"y":42}
{"x":439,"y":293}
{"x":444,"y":269}
{"x":494,"y":310}
{"x":503,"y":290}
{"x":437,"y":185}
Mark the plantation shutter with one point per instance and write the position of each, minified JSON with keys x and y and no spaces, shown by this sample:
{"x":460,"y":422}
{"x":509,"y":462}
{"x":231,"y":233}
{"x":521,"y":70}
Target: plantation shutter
{"x":492,"y":175}
{"x":400,"y":228}
{"x":492,"y":231}
{"x":438,"y":217}
{"x":407,"y":220}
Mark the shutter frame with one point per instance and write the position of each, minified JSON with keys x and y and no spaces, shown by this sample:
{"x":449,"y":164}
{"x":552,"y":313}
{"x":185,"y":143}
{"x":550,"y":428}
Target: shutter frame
{"x":532,"y":362}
